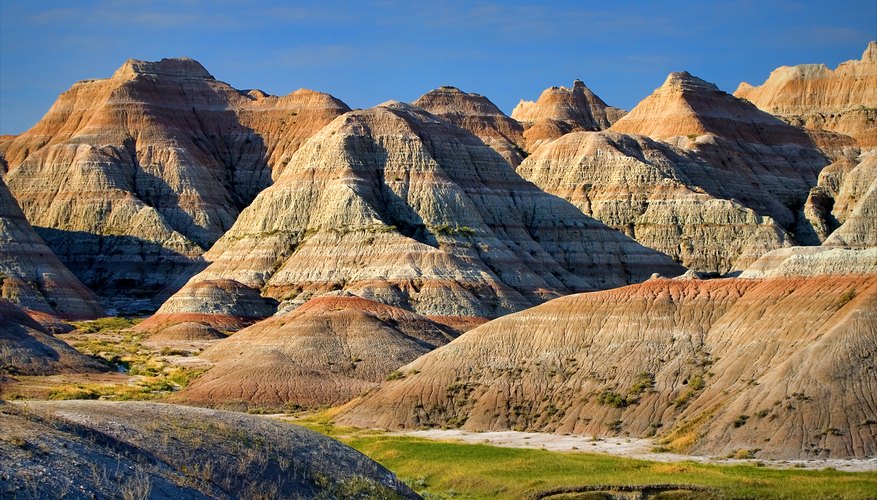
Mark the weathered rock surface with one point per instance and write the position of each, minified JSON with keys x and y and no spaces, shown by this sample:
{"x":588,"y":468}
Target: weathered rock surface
{"x":665,"y":197}
{"x":129,"y":179}
{"x":842,"y":209}
{"x":842,"y":100}
{"x":783,"y":366}
{"x":478,"y":115}
{"x":715,"y":184}
{"x":813,"y":261}
{"x":399,"y":207}
{"x":30,"y":274}
{"x":560,"y":110}
{"x":27,"y":348}
{"x":325,"y":352}
{"x":147,"y":450}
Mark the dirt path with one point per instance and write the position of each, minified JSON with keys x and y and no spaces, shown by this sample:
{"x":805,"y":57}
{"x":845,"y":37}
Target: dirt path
{"x":624,"y":447}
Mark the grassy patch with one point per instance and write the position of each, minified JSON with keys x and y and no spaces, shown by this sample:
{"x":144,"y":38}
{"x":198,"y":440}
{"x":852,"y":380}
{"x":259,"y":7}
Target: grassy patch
{"x":107,"y":324}
{"x":440,"y":469}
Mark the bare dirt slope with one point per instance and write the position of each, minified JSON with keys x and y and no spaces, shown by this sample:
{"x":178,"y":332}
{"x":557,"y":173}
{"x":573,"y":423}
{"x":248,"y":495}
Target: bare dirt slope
{"x":325,"y":352}
{"x":89,"y":449}
{"x":783,"y":365}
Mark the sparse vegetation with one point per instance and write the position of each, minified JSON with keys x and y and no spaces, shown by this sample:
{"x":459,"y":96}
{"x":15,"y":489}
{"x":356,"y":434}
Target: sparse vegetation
{"x":111,"y":323}
{"x":611,"y":398}
{"x":846,"y":298}
{"x":740,"y":421}
{"x":452,"y":230}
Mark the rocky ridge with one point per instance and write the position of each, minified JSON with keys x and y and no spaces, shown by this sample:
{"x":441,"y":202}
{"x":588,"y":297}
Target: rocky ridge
{"x":397,"y":206}
{"x":560,"y":110}
{"x":478,"y":115}
{"x":130,"y":179}
{"x":691,"y":171}
{"x":842,"y":100}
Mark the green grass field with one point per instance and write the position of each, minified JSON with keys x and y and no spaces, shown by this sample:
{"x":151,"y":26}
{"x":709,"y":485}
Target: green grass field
{"x":438,"y":469}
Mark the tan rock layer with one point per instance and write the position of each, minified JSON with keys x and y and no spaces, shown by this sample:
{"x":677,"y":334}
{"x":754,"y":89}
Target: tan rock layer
{"x":560,"y":110}
{"x":478,"y":115}
{"x":842,"y":100}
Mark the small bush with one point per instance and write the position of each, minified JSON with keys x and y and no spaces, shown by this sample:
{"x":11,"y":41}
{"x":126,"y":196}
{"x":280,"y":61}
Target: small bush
{"x":611,"y":398}
{"x":846,"y":297}
{"x":395,"y":375}
{"x":740,"y":421}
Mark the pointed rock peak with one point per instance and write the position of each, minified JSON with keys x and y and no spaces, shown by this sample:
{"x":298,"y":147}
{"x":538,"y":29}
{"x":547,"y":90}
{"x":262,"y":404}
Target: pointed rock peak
{"x":578,"y":84}
{"x":686,"y":82}
{"x":870,"y":54}
{"x":448,"y":100}
{"x":181,"y":67}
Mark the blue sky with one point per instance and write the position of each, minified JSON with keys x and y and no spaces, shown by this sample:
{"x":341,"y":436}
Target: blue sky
{"x":368,"y":52}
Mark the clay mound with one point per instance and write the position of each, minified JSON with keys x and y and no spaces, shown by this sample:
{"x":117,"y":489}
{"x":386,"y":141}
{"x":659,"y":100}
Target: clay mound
{"x":688,"y":106}
{"x":325,"y":352}
{"x":140,"y":450}
{"x":708,"y":218}
{"x":842,"y":100}
{"x":129,"y":179}
{"x":205,"y":308}
{"x":560,"y":110}
{"x":813,"y":261}
{"x":30,"y":274}
{"x":478,"y":115}
{"x":27,"y":348}
{"x":715,"y":366}
{"x":397,"y":206}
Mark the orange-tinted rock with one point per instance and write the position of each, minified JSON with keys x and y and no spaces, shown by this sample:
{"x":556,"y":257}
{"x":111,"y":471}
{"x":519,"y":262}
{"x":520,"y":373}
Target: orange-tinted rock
{"x":478,"y":115}
{"x":560,"y":110}
{"x":397,"y":206}
{"x":842,"y":100}
{"x":129,"y":179}
{"x":30,"y":274}
{"x":325,"y":352}
{"x":716,"y":366}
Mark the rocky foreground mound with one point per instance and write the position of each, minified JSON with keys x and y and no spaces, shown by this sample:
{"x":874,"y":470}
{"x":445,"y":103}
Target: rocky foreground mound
{"x":28,"y":348}
{"x":842,"y":100}
{"x":691,"y":171}
{"x":560,"y":110}
{"x":31,"y":275}
{"x":90,"y":449}
{"x":478,"y":115}
{"x":779,"y":367}
{"x":325,"y":352}
{"x":130,"y":179}
{"x":397,"y":206}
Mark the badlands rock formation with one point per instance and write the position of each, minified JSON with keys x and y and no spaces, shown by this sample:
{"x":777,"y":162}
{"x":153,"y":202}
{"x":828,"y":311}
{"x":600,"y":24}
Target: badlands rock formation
{"x":99,"y":449}
{"x":560,"y":110}
{"x":397,"y":206}
{"x":843,"y":100}
{"x":27,"y":348}
{"x":779,"y":367}
{"x":478,"y":115}
{"x":30,"y":274}
{"x":714,"y":185}
{"x":842,"y":209}
{"x":129,"y":179}
{"x":325,"y":352}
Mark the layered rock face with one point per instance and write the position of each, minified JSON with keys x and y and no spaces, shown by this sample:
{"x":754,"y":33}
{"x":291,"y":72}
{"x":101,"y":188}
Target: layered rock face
{"x":843,"y":100}
{"x":30,"y":274}
{"x":715,"y":184}
{"x":842,"y":209}
{"x":325,"y":352}
{"x":399,"y":207}
{"x":151,"y":450}
{"x":27,"y":348}
{"x":782,"y":366}
{"x":129,"y":179}
{"x":560,"y":110}
{"x":478,"y":115}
